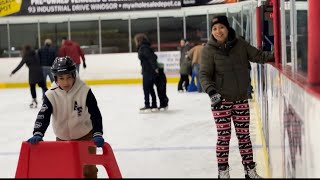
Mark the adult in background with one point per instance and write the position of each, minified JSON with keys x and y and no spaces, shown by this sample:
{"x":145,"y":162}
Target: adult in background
{"x":32,"y":61}
{"x":195,"y":55}
{"x":185,"y":66}
{"x":150,"y":71}
{"x":224,"y":76}
{"x":73,"y":50}
{"x":47,"y":54}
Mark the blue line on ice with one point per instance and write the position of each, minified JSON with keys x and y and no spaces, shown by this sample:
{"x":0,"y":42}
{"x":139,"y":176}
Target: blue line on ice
{"x":146,"y":149}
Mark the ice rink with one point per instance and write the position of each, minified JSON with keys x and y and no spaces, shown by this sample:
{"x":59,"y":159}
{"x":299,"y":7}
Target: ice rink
{"x":178,"y":143}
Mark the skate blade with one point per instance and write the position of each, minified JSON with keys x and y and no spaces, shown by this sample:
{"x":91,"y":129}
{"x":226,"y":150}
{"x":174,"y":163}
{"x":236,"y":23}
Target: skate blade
{"x":32,"y":107}
{"x":145,"y":111}
{"x":154,"y":110}
{"x":163,"y":109}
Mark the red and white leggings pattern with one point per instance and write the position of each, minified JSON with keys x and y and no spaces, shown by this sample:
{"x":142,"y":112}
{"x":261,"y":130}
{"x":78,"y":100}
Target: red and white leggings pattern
{"x":240,"y":114}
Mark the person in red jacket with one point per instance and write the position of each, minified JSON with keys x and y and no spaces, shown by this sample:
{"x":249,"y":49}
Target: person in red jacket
{"x":73,"y":50}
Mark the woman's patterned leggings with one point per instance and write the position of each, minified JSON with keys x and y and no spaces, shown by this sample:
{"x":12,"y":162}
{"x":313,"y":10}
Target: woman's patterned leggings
{"x":240,"y":114}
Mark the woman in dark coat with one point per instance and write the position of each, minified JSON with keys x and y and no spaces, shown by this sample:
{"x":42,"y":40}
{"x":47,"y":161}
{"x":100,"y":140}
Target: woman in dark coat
{"x":224,"y":77}
{"x":35,"y":72}
{"x":185,"y":65}
{"x":150,"y":70}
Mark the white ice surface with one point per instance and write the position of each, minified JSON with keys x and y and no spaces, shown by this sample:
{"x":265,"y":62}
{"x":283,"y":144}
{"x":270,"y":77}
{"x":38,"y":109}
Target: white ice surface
{"x":177,"y":143}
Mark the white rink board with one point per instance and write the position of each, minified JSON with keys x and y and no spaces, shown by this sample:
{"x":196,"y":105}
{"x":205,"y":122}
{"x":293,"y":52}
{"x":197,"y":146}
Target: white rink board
{"x":99,"y":67}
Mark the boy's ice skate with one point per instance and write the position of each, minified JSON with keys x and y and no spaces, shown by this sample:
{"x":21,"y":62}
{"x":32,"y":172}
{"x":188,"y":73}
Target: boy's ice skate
{"x":33,"y":103}
{"x":145,"y":110}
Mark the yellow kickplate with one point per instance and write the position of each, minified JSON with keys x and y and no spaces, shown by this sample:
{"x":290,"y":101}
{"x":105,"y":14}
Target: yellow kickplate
{"x":9,"y":7}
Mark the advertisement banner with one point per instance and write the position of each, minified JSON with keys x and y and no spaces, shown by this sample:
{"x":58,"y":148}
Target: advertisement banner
{"x":52,"y":7}
{"x":8,"y":7}
{"x":186,"y":3}
{"x":171,"y":61}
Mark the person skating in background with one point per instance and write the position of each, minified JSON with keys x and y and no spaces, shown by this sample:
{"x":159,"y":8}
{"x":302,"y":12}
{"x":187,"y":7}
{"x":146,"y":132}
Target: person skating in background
{"x":47,"y":55}
{"x":185,"y":66}
{"x":74,"y":110}
{"x":32,"y":61}
{"x":194,"y":55}
{"x":224,"y":76}
{"x":73,"y":50}
{"x":150,"y":71}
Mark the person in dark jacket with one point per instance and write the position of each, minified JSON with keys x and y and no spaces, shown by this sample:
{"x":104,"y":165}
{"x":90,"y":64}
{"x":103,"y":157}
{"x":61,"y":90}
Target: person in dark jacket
{"x":47,"y":55}
{"x":30,"y":58}
{"x":185,"y":65}
{"x":151,"y":74}
{"x":224,"y":76}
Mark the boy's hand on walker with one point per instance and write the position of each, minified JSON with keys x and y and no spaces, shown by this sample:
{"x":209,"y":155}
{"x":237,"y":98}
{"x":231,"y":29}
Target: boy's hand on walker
{"x":35,"y":139}
{"x":98,"y":140}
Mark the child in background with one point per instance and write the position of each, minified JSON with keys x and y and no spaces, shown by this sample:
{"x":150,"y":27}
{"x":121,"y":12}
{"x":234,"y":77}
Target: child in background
{"x":161,"y":84}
